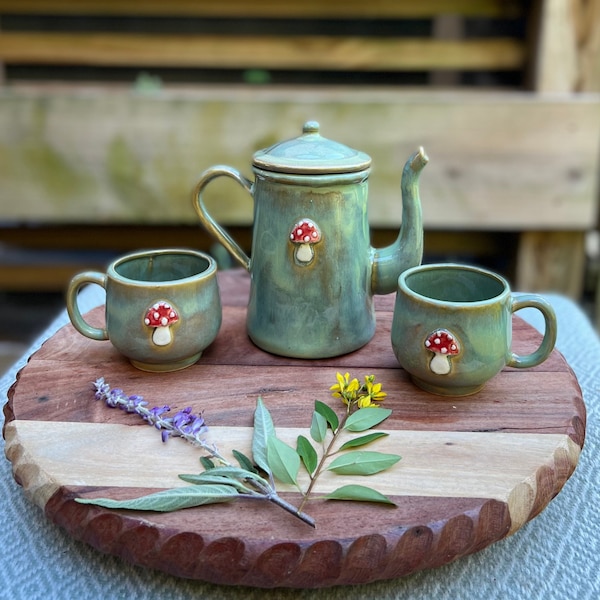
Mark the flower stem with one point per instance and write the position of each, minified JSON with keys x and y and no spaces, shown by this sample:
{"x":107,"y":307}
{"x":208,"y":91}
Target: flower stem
{"x":326,"y":454}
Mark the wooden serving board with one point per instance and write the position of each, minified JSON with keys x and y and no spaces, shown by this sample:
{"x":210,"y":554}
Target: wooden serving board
{"x":473,"y":471}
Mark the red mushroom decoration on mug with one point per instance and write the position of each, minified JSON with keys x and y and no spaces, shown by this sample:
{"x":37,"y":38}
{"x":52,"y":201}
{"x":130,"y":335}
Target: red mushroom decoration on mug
{"x":161,"y":315}
{"x":443,"y":344}
{"x":304,"y":234}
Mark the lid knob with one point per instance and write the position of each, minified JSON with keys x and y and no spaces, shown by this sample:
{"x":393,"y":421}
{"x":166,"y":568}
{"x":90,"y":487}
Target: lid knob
{"x":310,"y":127}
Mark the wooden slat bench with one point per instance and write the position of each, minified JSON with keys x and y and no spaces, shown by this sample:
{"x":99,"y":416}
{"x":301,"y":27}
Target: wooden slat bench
{"x":93,"y":163}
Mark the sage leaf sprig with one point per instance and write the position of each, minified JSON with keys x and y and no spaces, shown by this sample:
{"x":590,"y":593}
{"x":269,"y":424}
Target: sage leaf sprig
{"x":272,"y":459}
{"x":220,"y":482}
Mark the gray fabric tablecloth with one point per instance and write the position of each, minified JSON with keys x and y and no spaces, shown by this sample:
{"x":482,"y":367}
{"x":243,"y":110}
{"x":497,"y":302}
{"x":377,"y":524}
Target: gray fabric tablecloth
{"x":554,"y":556}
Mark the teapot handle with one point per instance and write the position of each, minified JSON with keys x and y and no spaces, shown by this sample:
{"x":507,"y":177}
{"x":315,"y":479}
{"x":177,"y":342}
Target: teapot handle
{"x":209,"y":223}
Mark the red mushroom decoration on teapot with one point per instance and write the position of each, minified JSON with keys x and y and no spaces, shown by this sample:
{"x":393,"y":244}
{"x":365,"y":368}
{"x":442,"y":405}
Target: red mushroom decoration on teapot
{"x":443,"y":344}
{"x":303,"y":235}
{"x":161,"y":315}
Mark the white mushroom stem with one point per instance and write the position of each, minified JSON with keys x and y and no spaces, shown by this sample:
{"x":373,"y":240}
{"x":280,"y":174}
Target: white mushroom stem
{"x":440,"y":364}
{"x":162,"y":336}
{"x":304,"y":252}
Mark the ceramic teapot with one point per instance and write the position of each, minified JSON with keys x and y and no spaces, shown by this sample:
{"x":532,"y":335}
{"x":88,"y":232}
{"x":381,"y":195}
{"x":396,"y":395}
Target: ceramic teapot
{"x":313,"y":270}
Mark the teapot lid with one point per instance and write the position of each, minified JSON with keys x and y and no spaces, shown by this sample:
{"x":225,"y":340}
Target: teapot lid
{"x":311,"y":154}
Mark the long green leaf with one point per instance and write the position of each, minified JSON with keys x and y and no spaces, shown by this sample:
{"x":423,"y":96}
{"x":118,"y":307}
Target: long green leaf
{"x":207,"y":478}
{"x":307,"y":453}
{"x":363,"y":462}
{"x":284,"y":461}
{"x":358,"y":493}
{"x":243,"y":461}
{"x":227,"y":472}
{"x":169,"y":500}
{"x":365,"y":418}
{"x":207,"y":463}
{"x":328,"y":413}
{"x":363,"y":440}
{"x":263,"y":430}
{"x":318,"y":427}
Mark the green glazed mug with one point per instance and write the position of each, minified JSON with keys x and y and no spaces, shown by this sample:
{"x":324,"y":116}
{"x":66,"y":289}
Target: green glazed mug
{"x":162,"y":308}
{"x":452,"y":327}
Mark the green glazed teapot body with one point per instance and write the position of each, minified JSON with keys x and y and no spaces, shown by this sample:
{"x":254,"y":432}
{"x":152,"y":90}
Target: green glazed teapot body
{"x":313,"y":270}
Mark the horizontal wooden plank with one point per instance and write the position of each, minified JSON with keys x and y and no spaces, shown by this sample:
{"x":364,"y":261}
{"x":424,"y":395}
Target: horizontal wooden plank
{"x":498,"y":160}
{"x":26,"y":241}
{"x":377,"y":358}
{"x":23,"y":245}
{"x":503,"y":460}
{"x":269,"y":8}
{"x":38,"y":277}
{"x":33,"y":263}
{"x":267,"y":52}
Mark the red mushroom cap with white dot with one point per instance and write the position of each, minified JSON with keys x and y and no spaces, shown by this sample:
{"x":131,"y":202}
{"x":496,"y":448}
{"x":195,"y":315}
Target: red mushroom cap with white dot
{"x":305,"y":232}
{"x":442,"y":342}
{"x":161,"y":314}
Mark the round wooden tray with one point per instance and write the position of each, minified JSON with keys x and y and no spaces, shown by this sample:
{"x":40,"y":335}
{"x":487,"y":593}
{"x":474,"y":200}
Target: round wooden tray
{"x":473,"y":471}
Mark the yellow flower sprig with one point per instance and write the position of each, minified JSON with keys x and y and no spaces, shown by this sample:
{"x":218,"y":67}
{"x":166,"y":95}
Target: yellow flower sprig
{"x":355,"y":396}
{"x":352,"y":393}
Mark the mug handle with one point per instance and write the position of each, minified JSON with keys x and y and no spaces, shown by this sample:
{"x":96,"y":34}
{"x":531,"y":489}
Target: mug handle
{"x":77,"y":320}
{"x":520,"y":301}
{"x":209,"y":223}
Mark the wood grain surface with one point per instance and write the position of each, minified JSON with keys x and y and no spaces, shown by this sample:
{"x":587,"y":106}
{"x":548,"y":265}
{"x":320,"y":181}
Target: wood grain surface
{"x":473,"y":471}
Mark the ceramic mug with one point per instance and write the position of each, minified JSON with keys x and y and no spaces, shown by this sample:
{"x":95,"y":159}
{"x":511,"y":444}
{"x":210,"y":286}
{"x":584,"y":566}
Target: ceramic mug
{"x":452,"y":327}
{"x":162,"y":307}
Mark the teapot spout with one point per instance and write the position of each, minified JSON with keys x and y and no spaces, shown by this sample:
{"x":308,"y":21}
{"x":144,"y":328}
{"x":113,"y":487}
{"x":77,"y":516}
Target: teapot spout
{"x":407,"y":251}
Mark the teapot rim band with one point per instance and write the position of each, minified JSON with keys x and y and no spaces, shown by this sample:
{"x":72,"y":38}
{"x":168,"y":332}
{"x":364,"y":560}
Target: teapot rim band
{"x":312,"y":179}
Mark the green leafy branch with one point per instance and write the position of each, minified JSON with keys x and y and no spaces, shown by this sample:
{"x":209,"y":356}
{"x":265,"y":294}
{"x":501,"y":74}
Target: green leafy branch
{"x":351,"y":462}
{"x":273,"y":459}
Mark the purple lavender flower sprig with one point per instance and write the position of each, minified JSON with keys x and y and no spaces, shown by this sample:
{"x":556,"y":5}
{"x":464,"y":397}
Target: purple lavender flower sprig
{"x":184,"y":423}
{"x":217,"y":483}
